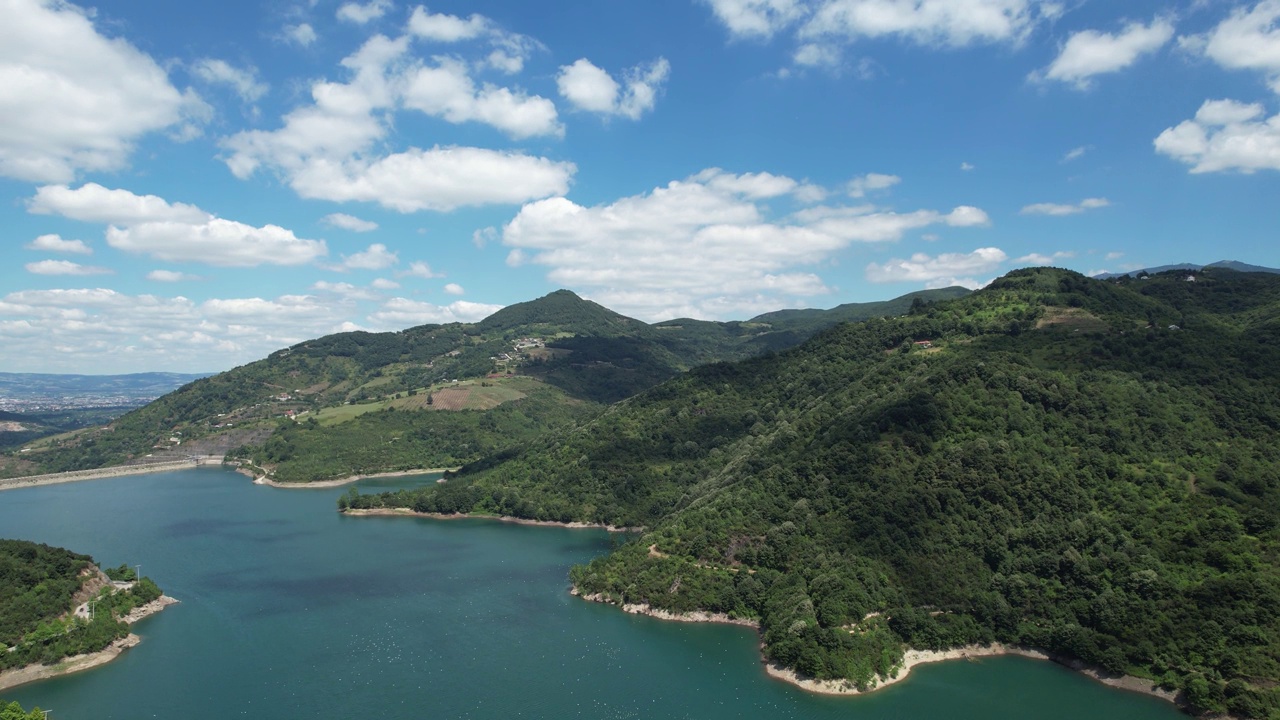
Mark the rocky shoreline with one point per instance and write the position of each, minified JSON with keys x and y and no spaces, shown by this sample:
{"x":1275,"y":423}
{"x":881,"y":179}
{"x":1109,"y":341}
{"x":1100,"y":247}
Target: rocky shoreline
{"x":339,"y":482}
{"x":911,"y":658}
{"x":76,"y":663}
{"x":406,"y":512}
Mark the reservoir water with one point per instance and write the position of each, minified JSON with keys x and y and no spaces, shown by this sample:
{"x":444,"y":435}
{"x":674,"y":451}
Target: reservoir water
{"x":290,"y":610}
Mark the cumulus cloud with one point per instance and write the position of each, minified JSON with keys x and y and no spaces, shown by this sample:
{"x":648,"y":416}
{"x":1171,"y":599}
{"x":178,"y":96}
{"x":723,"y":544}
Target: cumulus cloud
{"x":1075,"y":153}
{"x":92,"y":202}
{"x":176,"y":232}
{"x":70,"y":330}
{"x":384,"y":284}
{"x":447,"y":91}
{"x":422,"y":270}
{"x":329,"y":149}
{"x":440,"y":179}
{"x":952,"y":23}
{"x":454,"y":289}
{"x":402,"y":312}
{"x":55,"y":243}
{"x":592,"y":89}
{"x":440,"y":27}
{"x":947,"y":266}
{"x":363,"y":13}
{"x":244,"y":81}
{"x":377,"y":257}
{"x":224,"y":243}
{"x":73,"y":99}
{"x":757,"y":18}
{"x":1089,"y":53}
{"x":1060,"y":209}
{"x":1042,"y":259}
{"x":1224,"y":135}
{"x":647,"y":255}
{"x":1249,"y":39}
{"x":302,"y":34}
{"x":349,"y":222}
{"x":170,"y":276}
{"x":64,"y":267}
{"x":860,"y":186}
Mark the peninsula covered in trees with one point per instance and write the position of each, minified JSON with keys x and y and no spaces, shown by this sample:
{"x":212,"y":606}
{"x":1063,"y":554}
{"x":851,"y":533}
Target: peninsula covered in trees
{"x":1088,"y":467}
{"x":55,"y":604}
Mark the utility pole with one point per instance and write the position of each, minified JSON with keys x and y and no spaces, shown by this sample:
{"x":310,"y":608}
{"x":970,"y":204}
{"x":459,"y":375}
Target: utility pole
{"x":137,"y":573}
{"x":46,"y":714}
{"x":92,"y":605}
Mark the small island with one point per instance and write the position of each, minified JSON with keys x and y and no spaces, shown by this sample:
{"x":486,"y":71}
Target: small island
{"x":59,"y":613}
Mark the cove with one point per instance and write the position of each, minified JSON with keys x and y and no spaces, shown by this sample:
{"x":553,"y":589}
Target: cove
{"x":290,"y":610}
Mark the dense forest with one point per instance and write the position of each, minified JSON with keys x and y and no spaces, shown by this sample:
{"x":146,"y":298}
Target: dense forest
{"x":1082,"y":466}
{"x":592,"y":355}
{"x":40,"y":587}
{"x":14,"y":711}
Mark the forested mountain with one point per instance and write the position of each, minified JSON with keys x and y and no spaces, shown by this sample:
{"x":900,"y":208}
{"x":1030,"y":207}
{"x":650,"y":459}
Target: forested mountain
{"x":434,"y":395}
{"x":1082,"y":466}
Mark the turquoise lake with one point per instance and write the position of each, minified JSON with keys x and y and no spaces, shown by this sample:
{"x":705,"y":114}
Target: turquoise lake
{"x":290,"y":610}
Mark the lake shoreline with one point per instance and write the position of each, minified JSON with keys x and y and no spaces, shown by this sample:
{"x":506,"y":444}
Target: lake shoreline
{"x":76,"y":663}
{"x":911,"y":658}
{"x":406,"y":512}
{"x":319,"y":484}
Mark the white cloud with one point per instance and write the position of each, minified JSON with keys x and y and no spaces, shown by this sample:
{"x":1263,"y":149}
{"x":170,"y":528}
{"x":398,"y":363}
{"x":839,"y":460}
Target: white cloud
{"x":244,"y":81}
{"x":966,"y":167}
{"x":346,"y":291}
{"x":64,"y":267}
{"x":447,"y":91}
{"x":377,"y":257}
{"x":402,"y":312}
{"x":592,"y":89}
{"x":363,"y":14}
{"x":1247,"y":40}
{"x":447,"y":28}
{"x":224,"y":243}
{"x":926,"y":268}
{"x":72,"y":99}
{"x":1089,"y":53}
{"x":170,"y":276}
{"x":328,"y":150}
{"x":349,"y":222}
{"x":509,"y":50}
{"x":1114,"y":255}
{"x":647,"y":255}
{"x":860,"y":186}
{"x":454,"y":289}
{"x":92,"y":202}
{"x":440,"y":179}
{"x":101,"y":330}
{"x":1041,"y":259}
{"x":55,"y":243}
{"x":757,"y":18}
{"x":302,"y":34}
{"x":1075,"y":153}
{"x":953,"y":23}
{"x":422,"y":270}
{"x":1224,"y":135}
{"x":384,"y":284}
{"x":1060,"y":209}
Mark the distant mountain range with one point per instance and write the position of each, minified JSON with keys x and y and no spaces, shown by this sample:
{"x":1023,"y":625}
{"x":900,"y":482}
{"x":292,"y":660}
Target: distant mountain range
{"x":1224,"y":264}
{"x":40,"y":386}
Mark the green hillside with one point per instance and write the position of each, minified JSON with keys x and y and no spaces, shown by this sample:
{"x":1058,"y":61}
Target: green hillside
{"x":1083,"y":466}
{"x":579,"y":355}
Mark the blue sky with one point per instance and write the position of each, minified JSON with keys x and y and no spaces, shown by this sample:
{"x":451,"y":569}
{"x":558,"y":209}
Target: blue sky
{"x":189,"y":186}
